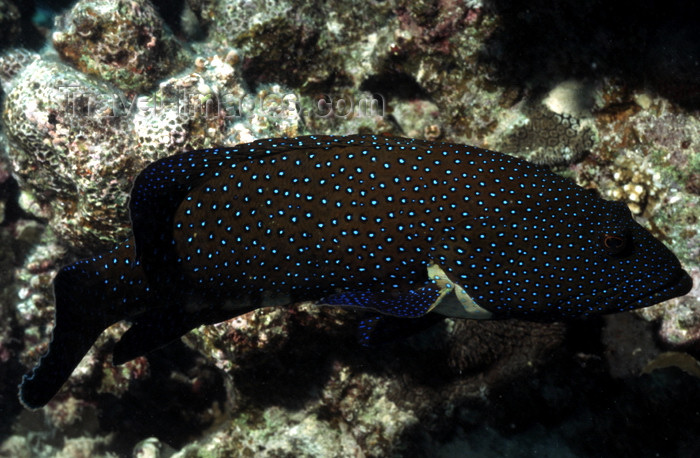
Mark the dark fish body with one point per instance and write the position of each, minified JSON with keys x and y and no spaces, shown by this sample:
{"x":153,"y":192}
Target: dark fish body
{"x":402,"y":228}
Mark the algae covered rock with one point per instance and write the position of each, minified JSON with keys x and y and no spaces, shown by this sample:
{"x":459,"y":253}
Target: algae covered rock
{"x":123,"y":42}
{"x":301,"y":43}
{"x":67,"y":146}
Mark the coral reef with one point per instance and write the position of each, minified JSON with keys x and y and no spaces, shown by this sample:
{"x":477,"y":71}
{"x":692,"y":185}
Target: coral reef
{"x":352,"y":398}
{"x":300,"y":44}
{"x":647,"y":157}
{"x":629,"y":343}
{"x":115,"y":90}
{"x":11,"y":62}
{"x":123,"y":42}
{"x":69,"y":151}
{"x":550,"y":138}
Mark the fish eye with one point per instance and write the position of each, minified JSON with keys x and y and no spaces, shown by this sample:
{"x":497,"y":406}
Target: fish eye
{"x":616,"y":244}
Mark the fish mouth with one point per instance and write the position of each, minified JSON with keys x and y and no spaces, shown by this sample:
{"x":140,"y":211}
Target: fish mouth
{"x":634,"y":293}
{"x":678,"y":284}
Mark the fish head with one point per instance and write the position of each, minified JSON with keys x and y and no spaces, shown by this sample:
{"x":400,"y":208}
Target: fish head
{"x":626,"y":267}
{"x":561,"y":257}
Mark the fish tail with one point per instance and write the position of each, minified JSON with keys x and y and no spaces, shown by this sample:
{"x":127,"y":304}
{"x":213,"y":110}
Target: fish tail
{"x":90,"y":296}
{"x":74,"y":333}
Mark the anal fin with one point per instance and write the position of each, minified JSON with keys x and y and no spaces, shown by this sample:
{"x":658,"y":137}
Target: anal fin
{"x":409,"y":304}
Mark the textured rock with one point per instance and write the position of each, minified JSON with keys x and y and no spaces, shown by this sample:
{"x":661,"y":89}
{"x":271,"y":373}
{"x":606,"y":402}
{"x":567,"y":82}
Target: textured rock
{"x":67,"y":146}
{"x":123,"y":42}
{"x":300,"y":43}
{"x":546,"y":137}
{"x":11,"y":62}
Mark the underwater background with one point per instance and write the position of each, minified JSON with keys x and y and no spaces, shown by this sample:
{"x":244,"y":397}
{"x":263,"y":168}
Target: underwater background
{"x":605,"y":93}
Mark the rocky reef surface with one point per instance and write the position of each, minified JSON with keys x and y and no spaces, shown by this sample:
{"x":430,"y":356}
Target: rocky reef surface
{"x":93,"y":96}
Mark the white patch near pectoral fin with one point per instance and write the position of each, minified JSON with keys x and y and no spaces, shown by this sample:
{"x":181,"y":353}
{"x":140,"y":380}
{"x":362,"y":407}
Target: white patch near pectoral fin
{"x":454,"y":300}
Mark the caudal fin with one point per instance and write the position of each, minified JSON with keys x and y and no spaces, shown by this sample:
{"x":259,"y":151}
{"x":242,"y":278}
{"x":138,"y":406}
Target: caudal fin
{"x":73,"y":334}
{"x":91,"y":295}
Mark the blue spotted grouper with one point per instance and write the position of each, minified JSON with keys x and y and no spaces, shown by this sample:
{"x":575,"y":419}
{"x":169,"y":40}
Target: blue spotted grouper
{"x":403,"y":229}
